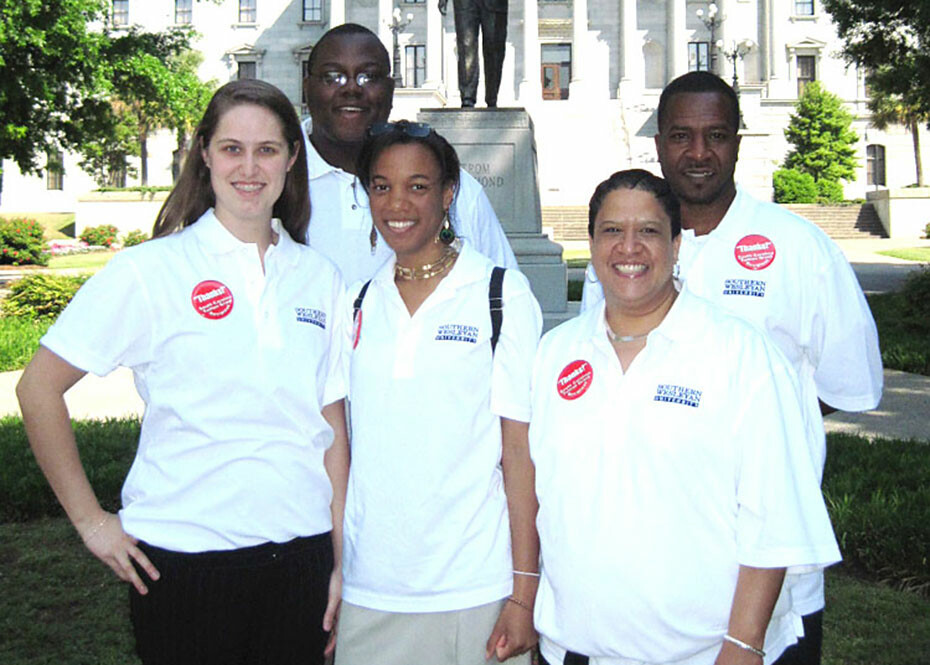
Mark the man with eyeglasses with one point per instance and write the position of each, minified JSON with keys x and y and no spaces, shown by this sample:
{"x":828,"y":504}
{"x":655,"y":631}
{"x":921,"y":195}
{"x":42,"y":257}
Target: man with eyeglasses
{"x":348,"y":89}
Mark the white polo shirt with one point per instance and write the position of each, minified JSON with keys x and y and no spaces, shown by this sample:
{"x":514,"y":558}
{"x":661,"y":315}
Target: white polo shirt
{"x":234,"y":367}
{"x":340,"y":221}
{"x":656,"y":485}
{"x":426,"y":525}
{"x":782,"y":273}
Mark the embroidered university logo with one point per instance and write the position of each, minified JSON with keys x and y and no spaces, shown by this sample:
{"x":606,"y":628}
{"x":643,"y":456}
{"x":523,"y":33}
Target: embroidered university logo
{"x":315,"y":316}
{"x":666,"y":392}
{"x":455,"y":332}
{"x":744,"y":287}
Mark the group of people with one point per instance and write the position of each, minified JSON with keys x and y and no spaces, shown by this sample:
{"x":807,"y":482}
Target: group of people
{"x":354,"y":440}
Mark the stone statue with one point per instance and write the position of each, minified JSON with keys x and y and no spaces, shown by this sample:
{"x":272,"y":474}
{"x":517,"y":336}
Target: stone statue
{"x":491,"y":17}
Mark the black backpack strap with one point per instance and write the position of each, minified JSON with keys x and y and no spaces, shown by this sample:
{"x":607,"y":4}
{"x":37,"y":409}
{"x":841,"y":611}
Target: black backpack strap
{"x":357,"y":305}
{"x":496,"y":304}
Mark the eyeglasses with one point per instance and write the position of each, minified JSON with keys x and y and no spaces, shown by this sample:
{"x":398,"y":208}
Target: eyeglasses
{"x":340,"y":79}
{"x":417,"y":130}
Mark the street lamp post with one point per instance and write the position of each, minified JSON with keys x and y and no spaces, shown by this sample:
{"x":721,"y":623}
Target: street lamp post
{"x":712,"y":20}
{"x":736,"y":52}
{"x":398,"y":23}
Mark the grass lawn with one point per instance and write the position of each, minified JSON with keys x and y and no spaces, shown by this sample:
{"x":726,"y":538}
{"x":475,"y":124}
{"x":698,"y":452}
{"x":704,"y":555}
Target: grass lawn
{"x":90,"y":261}
{"x":59,"y":605}
{"x":57,"y":224}
{"x":921,"y":254}
{"x":904,"y":340}
{"x":19,"y":339}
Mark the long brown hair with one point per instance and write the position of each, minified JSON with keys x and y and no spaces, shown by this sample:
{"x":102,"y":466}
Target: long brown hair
{"x":193,"y":195}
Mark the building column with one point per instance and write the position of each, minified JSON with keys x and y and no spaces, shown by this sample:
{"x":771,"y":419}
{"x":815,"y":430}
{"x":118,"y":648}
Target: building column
{"x":777,"y":18}
{"x":633,"y":72}
{"x":576,"y":87}
{"x":433,"y":46}
{"x":530,"y":89}
{"x":676,"y":49}
{"x":337,"y":12}
{"x":385,"y":7}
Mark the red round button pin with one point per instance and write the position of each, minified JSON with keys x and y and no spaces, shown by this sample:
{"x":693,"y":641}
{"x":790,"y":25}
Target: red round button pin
{"x":212,"y":299}
{"x":575,"y":379}
{"x":754,"y":252}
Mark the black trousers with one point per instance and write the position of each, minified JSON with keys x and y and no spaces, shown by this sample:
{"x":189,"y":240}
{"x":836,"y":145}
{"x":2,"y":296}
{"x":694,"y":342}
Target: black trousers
{"x":256,"y":605}
{"x":470,"y":16}
{"x":808,"y":649}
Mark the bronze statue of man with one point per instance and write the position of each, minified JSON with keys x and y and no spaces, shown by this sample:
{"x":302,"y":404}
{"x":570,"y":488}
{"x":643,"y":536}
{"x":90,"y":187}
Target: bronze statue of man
{"x":491,"y":17}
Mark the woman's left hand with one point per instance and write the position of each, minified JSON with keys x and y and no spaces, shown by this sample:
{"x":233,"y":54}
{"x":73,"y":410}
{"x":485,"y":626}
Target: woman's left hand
{"x":513,"y":633}
{"x":331,"y":615}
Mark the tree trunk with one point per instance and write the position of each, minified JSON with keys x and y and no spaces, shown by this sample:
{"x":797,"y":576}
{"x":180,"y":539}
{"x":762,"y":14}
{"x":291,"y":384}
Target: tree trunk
{"x":915,"y":137}
{"x":144,"y":156}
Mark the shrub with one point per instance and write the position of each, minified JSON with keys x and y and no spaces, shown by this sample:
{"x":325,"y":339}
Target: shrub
{"x":878,"y":495}
{"x":916,"y":292}
{"x":792,"y":186}
{"x":107,"y":448}
{"x":22,"y":242}
{"x":135,"y":237}
{"x":42,"y":295}
{"x":101,"y":236}
{"x":829,"y":191}
{"x":927,"y":230}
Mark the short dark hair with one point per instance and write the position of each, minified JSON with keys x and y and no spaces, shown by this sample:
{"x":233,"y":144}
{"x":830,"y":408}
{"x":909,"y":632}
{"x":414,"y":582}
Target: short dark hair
{"x":695,"y":82}
{"x":193,"y":194}
{"x":397,"y":134}
{"x":644,"y":181}
{"x":342,"y":30}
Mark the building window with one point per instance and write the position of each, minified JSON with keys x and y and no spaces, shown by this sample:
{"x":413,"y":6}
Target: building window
{"x":120,"y":12}
{"x":556,"y":70}
{"x":699,"y":56}
{"x":247,"y":11}
{"x":313,"y":11}
{"x":804,"y":7}
{"x":807,"y":71}
{"x":414,"y":2}
{"x":55,"y":170}
{"x":304,"y":74}
{"x":875,"y":164}
{"x":247,"y":69}
{"x":415,"y":58}
{"x":182,"y":12}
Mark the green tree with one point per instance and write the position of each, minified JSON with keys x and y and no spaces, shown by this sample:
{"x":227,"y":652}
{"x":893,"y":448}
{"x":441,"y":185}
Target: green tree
{"x":890,"y":39}
{"x":820,"y":132}
{"x":49,"y":78}
{"x":891,"y":36}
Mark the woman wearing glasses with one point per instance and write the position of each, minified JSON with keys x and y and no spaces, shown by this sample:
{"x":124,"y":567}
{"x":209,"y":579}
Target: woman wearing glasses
{"x":441,"y":553}
{"x":231,"y":329}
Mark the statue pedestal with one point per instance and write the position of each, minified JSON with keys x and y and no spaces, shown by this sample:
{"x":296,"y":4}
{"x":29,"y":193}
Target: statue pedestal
{"x":498,"y":148}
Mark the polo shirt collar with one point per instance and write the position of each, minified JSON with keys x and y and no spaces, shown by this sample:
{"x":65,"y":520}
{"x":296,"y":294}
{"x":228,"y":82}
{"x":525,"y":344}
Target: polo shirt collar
{"x":678,"y":324}
{"x":468,"y":268}
{"x":732,"y":221}
{"x":317,"y":167}
{"x":217,"y":239}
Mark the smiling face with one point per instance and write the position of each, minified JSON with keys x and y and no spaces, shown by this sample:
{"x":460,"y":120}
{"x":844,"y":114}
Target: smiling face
{"x":408,"y":202}
{"x":698,"y":146}
{"x":633,"y":252}
{"x":341,"y":114}
{"x":248,"y":158}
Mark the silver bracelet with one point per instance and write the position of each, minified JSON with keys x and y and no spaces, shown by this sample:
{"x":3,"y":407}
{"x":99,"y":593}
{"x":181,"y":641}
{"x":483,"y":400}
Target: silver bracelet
{"x":522,"y":572}
{"x":742,"y":645}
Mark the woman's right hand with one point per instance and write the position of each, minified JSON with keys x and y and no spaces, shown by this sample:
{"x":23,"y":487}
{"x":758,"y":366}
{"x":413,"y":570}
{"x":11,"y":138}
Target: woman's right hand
{"x":108,"y":542}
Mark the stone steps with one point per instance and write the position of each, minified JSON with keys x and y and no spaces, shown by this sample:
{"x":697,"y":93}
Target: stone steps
{"x":838,"y":221}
